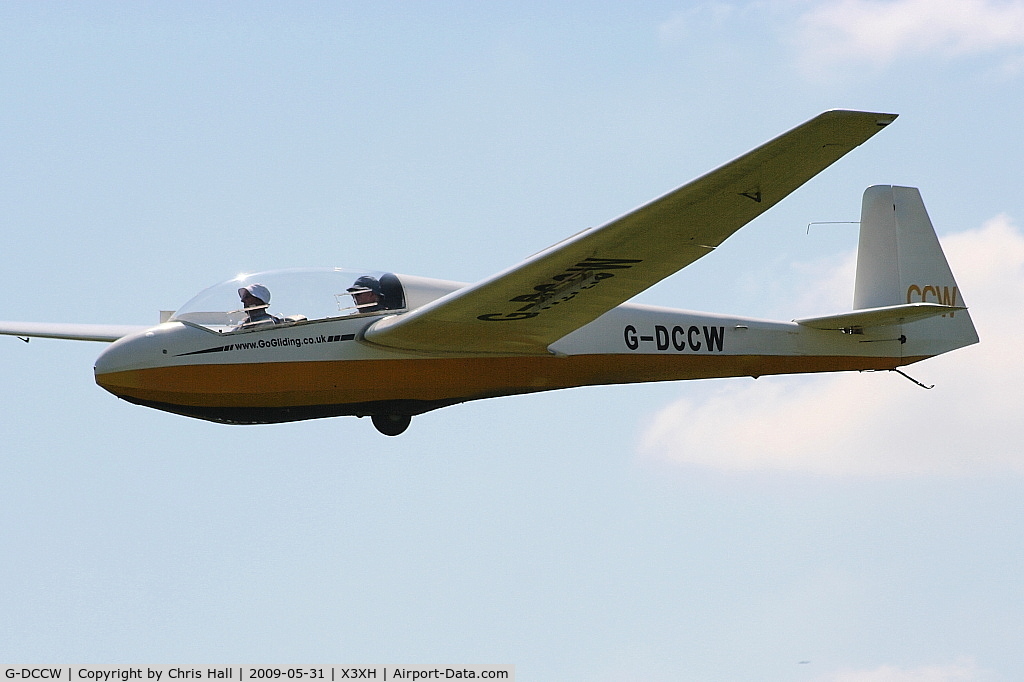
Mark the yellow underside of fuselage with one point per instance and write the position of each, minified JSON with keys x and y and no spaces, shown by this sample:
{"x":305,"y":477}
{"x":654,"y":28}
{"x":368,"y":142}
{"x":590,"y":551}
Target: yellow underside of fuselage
{"x":295,"y":384}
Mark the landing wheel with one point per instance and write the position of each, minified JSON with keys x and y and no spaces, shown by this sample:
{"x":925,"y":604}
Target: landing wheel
{"x":391,"y":424}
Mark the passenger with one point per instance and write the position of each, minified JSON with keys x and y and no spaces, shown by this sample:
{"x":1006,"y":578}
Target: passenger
{"x":367,"y":294}
{"x":256,"y":300}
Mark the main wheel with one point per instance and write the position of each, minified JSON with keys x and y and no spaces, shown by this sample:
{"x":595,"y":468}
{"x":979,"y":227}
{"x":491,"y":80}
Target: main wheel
{"x":391,"y":424}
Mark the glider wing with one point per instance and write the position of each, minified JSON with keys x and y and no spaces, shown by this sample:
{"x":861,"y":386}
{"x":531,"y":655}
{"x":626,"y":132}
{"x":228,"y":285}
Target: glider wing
{"x":533,"y":304}
{"x":76,"y":332}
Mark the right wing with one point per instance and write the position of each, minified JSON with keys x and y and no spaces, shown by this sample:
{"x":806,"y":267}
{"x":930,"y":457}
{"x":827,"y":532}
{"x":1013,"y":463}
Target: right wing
{"x":75,"y":332}
{"x":533,"y":304}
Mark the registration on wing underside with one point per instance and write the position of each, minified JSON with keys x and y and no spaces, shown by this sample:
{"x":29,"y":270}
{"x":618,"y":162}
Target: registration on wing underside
{"x":562,"y":287}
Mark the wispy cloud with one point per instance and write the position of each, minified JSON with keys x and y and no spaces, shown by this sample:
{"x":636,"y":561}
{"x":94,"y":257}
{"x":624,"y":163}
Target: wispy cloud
{"x":956,"y":672}
{"x":877,"y":32}
{"x":878,"y":425}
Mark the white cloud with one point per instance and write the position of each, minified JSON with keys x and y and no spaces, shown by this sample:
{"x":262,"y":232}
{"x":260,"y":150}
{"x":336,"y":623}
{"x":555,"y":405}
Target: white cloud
{"x":878,"y":424}
{"x":956,"y":672}
{"x":879,"y":31}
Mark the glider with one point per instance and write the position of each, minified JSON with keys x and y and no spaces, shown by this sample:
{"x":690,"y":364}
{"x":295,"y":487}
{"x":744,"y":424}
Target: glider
{"x":303,"y":344}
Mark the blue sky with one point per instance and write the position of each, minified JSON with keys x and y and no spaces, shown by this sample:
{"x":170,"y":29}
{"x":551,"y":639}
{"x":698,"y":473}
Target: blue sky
{"x":720,"y":530}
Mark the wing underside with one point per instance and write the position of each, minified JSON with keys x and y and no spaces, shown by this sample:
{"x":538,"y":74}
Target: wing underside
{"x":531,"y":305}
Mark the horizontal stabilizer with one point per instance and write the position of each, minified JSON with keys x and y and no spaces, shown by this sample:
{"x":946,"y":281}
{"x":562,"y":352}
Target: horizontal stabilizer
{"x":76,"y":332}
{"x":880,"y":317}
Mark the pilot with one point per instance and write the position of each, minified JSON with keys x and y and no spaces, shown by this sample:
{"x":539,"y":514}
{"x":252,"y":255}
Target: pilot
{"x":256,"y":300}
{"x":367,"y":294}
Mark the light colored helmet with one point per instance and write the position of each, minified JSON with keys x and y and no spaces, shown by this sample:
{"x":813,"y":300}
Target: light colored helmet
{"x":257,"y":290}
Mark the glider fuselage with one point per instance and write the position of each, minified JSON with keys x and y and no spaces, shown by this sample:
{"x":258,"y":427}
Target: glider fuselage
{"x":320,"y":368}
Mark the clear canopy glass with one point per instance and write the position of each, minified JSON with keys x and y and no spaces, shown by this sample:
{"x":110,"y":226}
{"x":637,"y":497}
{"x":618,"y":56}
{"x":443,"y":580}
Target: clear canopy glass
{"x":296,"y":295}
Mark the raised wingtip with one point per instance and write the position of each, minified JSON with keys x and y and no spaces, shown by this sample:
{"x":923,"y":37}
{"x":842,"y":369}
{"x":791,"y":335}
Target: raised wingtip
{"x":882,"y":119}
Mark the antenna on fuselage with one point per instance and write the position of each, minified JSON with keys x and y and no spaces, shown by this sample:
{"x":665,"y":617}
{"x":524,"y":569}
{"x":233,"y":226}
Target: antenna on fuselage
{"x":831,"y":222}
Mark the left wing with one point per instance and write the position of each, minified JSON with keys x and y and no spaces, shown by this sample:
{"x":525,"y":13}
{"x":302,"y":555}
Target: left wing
{"x":75,"y":332}
{"x":531,"y":305}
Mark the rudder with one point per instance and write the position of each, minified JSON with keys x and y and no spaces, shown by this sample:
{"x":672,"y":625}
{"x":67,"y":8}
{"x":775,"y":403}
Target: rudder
{"x":899,"y":261}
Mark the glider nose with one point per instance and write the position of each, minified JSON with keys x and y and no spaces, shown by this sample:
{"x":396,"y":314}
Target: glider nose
{"x":118,"y":368}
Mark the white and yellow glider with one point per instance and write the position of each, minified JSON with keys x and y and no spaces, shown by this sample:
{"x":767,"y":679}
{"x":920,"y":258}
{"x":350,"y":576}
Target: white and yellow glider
{"x":405,"y":345}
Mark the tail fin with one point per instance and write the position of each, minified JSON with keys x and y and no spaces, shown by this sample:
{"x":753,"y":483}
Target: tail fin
{"x":900,"y":261}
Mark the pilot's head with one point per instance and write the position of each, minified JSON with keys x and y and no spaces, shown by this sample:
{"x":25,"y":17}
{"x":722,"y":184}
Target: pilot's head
{"x":254,"y":295}
{"x":366,"y":293}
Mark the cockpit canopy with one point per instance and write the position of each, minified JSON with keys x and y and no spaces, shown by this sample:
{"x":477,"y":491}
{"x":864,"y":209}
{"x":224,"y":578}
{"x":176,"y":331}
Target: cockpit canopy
{"x":296,"y":295}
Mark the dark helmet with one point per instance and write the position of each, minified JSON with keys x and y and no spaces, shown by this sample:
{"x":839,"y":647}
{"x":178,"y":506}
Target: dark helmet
{"x":366,"y":283}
